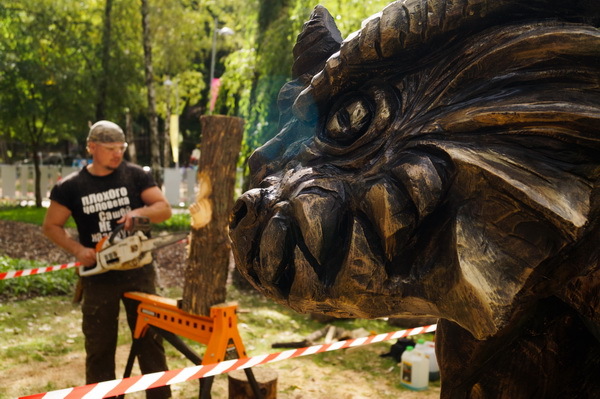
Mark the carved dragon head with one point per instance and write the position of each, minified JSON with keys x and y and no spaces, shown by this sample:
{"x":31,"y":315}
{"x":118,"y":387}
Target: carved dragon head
{"x":441,"y":161}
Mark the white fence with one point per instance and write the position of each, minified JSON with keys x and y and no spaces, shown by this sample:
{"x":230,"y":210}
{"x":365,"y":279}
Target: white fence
{"x":17,"y":183}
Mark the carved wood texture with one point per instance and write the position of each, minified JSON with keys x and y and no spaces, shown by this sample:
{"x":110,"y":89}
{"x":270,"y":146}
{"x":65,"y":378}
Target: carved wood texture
{"x":443,"y":161}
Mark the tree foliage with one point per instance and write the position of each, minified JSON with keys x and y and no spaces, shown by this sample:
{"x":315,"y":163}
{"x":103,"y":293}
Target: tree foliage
{"x":59,"y":70}
{"x":42,"y":51}
{"x":255,"y":73}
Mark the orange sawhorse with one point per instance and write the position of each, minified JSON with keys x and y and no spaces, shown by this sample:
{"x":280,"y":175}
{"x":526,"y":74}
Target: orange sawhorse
{"x":218,"y":332}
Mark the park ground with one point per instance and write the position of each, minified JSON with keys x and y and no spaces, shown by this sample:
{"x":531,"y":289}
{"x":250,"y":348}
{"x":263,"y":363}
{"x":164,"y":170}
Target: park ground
{"x":41,"y":345}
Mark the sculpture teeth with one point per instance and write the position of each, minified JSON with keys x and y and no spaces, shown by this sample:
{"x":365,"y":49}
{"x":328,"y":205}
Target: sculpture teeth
{"x":272,"y":248}
{"x":362,"y":270}
{"x":392,"y":214}
{"x":317,"y":218}
{"x":306,"y":287}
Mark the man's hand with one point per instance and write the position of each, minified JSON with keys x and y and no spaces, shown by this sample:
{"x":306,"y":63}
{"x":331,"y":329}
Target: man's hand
{"x":54,"y":228}
{"x":86,"y":256}
{"x":157,"y":208}
{"x":127,"y":219}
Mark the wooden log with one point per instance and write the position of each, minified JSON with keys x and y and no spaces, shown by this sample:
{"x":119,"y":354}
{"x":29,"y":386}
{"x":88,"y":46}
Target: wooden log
{"x":208,"y":260}
{"x":240,"y":388}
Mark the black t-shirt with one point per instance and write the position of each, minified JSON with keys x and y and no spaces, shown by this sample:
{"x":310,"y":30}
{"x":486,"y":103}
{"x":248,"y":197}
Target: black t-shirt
{"x":97,"y":202}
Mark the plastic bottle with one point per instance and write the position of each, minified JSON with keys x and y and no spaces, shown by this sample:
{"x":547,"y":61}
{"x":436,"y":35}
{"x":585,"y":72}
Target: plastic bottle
{"x":420,"y":345}
{"x":414,"y":372}
{"x":428,"y":349}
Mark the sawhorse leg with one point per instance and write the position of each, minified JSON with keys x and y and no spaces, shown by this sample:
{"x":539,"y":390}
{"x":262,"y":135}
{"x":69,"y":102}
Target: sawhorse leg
{"x":205,"y":383}
{"x":205,"y":386}
{"x":218,"y":332}
{"x":253,"y":383}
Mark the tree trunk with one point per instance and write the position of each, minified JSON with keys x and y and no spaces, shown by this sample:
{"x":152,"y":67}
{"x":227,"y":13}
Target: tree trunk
{"x":103,"y":81}
{"x":167,"y":137}
{"x":208,"y":261}
{"x":153,"y":118}
{"x":37,"y":173}
{"x":240,"y":387}
{"x":130,"y":137}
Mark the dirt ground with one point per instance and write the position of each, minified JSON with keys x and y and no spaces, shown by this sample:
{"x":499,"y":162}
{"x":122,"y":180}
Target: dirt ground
{"x":301,"y":379}
{"x":26,"y":241}
{"x":298,"y":378}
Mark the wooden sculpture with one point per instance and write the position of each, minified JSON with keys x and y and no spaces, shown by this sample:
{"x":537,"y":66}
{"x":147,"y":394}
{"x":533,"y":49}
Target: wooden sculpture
{"x":443,"y":161}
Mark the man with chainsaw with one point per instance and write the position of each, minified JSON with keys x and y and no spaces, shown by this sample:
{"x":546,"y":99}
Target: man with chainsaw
{"x":104,"y":195}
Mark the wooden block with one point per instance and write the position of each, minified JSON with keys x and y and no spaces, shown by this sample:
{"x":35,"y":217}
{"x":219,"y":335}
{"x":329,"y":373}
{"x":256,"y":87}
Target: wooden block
{"x":240,"y":388}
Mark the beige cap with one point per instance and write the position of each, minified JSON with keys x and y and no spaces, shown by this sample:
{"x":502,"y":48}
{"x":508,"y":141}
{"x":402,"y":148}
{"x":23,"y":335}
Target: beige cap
{"x":106,"y":132}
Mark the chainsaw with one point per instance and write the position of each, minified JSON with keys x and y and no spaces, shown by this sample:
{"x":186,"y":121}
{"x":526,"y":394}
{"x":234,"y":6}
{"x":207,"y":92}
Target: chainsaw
{"x":131,"y":252}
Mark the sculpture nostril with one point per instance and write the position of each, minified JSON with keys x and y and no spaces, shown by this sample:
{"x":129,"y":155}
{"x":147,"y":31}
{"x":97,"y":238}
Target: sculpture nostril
{"x":244,"y":213}
{"x":240,"y":210}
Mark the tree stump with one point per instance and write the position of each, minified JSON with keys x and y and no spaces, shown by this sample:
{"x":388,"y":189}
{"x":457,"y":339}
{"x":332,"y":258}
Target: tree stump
{"x":240,"y":388}
{"x":208,"y":260}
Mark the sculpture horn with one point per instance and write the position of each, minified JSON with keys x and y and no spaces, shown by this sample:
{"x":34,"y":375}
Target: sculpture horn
{"x":319,"y":39}
{"x":401,"y":34}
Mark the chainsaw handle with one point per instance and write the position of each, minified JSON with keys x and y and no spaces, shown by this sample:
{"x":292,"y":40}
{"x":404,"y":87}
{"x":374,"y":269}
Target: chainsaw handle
{"x":96,"y":269}
{"x":139,"y":223}
{"x":114,"y":233}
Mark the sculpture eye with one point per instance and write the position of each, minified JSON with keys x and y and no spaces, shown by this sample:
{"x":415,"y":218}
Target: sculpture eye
{"x":358,"y":121}
{"x":349,"y":121}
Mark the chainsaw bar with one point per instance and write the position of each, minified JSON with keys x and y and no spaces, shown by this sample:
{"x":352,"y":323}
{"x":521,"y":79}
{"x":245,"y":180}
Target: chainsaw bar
{"x":162,"y":241}
{"x":128,"y":253}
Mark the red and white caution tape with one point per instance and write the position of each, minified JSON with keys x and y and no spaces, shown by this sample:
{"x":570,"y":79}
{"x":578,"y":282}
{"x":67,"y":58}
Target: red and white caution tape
{"x":155,"y":380}
{"x":37,"y":270}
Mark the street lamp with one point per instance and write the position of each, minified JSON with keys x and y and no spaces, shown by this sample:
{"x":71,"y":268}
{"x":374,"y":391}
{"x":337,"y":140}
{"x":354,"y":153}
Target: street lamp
{"x":168,"y":84}
{"x":216,"y":31}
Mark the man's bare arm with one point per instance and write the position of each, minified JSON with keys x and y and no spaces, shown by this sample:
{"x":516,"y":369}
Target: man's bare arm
{"x":54,"y":228}
{"x":157,"y":208}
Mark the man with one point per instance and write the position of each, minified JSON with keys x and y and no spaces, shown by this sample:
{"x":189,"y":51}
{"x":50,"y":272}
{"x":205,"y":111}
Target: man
{"x":102,"y":195}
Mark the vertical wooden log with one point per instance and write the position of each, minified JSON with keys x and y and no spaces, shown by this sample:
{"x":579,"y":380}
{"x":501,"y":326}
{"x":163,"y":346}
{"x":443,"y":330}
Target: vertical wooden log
{"x":208,"y":259}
